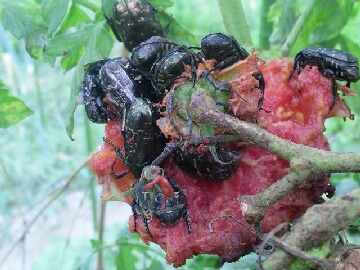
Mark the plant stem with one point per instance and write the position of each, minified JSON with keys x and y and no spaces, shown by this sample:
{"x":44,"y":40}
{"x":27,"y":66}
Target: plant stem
{"x":297,"y":28}
{"x":315,"y":228}
{"x":305,"y":162}
{"x":101,"y":236}
{"x":235,"y":21}
{"x":89,"y":148}
{"x":266,"y":27}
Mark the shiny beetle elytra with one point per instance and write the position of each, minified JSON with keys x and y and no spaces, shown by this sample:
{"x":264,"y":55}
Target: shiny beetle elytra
{"x":133,"y":22}
{"x":210,"y":166}
{"x":143,"y":141}
{"x":118,"y":85}
{"x":169,"y":68}
{"x":149,"y":51}
{"x":122,"y":82}
{"x":332,"y":63}
{"x":150,"y":200}
{"x":222,"y":48}
{"x":93,"y":94}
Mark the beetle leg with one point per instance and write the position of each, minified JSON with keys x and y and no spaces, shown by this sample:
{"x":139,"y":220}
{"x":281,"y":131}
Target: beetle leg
{"x":189,"y":121}
{"x":186,"y":217}
{"x":111,"y":24}
{"x":170,"y":82}
{"x":134,"y":213}
{"x":116,"y":149}
{"x":166,"y":30}
{"x":134,"y":207}
{"x":296,"y":67}
{"x":120,"y":155}
{"x":260,"y":78}
{"x":144,"y":220}
{"x":226,"y":62}
{"x":120,"y":175}
{"x":169,"y":148}
{"x":222,"y":86}
{"x":212,"y":150}
{"x":330,"y":74}
{"x":169,"y":109}
{"x":178,"y":189}
{"x":123,"y":122}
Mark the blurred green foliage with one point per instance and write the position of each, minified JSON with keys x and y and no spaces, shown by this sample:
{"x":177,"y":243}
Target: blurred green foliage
{"x":67,"y":34}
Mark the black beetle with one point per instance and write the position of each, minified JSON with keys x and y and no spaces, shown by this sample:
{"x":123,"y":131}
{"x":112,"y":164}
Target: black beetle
{"x":332,"y":63}
{"x":149,"y":51}
{"x":225,"y":50}
{"x":169,"y":68}
{"x":216,"y":166}
{"x":143,"y":141}
{"x":93,"y":94}
{"x":118,"y":85}
{"x":260,"y":78}
{"x":150,"y":202}
{"x":122,"y":82}
{"x":133,"y":22}
{"x":222,"y":48}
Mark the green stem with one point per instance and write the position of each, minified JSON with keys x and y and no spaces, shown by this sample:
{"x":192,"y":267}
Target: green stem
{"x":89,"y":148}
{"x":235,"y":21}
{"x":297,"y":28}
{"x":266,"y":27}
{"x":101,"y":236}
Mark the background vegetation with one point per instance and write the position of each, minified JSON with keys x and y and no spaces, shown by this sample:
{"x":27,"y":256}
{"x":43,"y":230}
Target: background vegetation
{"x":43,"y":46}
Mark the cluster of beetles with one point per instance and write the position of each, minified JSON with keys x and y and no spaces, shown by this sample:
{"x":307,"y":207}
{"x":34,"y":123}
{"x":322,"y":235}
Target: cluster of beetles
{"x":129,"y":89}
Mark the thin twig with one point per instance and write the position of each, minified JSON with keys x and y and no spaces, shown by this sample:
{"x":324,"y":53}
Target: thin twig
{"x":229,"y":216}
{"x":265,"y":239}
{"x":295,"y":251}
{"x":72,"y":225}
{"x":52,"y":199}
{"x":315,"y":228}
{"x":101,"y":236}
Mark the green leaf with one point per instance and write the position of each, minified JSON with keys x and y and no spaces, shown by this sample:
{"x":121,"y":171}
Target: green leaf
{"x":319,"y":251}
{"x":283,"y":15}
{"x":155,"y":265}
{"x":71,"y":59}
{"x":349,"y":45}
{"x":66,"y":43}
{"x":337,"y":12}
{"x":275,"y":12}
{"x":24,"y":20}
{"x":108,"y":6}
{"x":234,"y":19}
{"x":53,"y":12}
{"x":326,"y":21}
{"x":125,"y":259}
{"x":74,"y":17}
{"x":176,"y":32}
{"x":97,"y":44}
{"x":95,"y":244}
{"x":12,"y":109}
{"x":161,"y":3}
